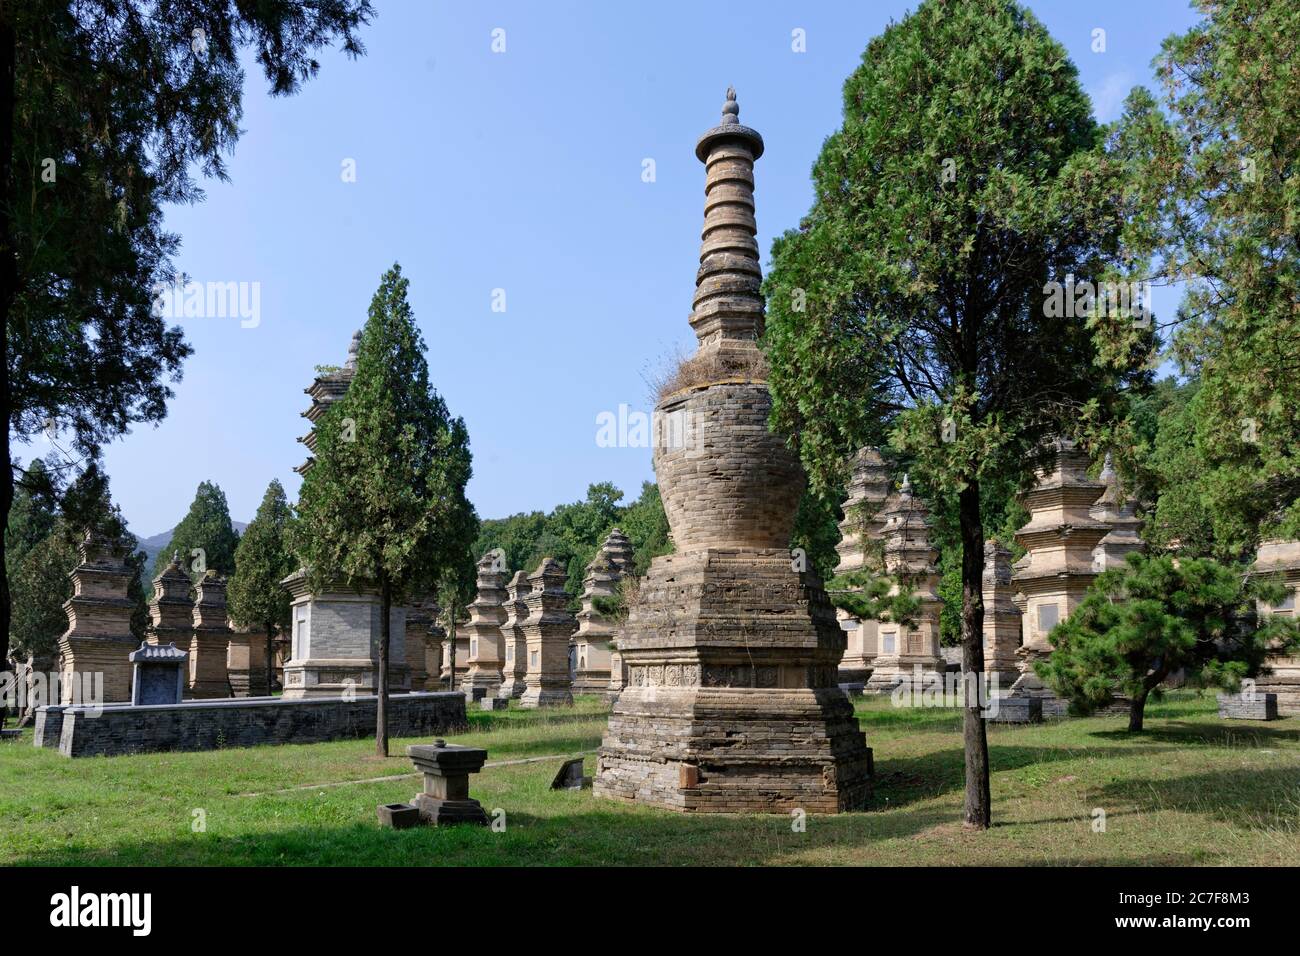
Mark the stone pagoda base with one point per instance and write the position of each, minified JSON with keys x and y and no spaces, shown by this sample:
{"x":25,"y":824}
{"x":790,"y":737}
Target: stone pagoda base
{"x":322,"y":677}
{"x":1029,"y":684}
{"x":591,"y":680}
{"x":731,"y":702}
{"x":1283,"y":680}
{"x":891,"y":671}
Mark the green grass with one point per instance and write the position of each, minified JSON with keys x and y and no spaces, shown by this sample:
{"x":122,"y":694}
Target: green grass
{"x":1192,"y":789}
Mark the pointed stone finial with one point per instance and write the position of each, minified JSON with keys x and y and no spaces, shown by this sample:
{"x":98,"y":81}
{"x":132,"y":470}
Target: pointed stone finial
{"x":905,"y":489}
{"x":353,"y":348}
{"x":730,"y":109}
{"x":1107,"y":468}
{"x":176,"y":558}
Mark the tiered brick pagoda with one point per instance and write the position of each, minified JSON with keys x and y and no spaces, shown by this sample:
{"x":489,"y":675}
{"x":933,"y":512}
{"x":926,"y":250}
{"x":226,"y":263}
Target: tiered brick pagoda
{"x":547,"y":631}
{"x":731,"y":702}
{"x":326,"y":389}
{"x":515,"y":664}
{"x":486,"y":645}
{"x":171,"y":612}
{"x":910,"y":558}
{"x":210,"y":639}
{"x":591,"y":642}
{"x":1117,"y":511}
{"x":861,"y":546}
{"x":1001,"y":617}
{"x":1282,"y":558}
{"x":1053,"y":576}
{"x":246,"y":661}
{"x":99,"y":637}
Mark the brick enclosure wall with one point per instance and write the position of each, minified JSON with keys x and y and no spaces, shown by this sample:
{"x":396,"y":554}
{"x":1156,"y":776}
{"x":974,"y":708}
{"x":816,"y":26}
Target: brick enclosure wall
{"x":245,"y":722}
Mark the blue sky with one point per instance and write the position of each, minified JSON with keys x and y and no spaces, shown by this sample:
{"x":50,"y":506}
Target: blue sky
{"x":520,"y":171}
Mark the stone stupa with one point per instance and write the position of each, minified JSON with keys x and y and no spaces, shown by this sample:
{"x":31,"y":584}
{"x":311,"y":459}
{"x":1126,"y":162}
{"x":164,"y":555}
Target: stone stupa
{"x":731,"y":702}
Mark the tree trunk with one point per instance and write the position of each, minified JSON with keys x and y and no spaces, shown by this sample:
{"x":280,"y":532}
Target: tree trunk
{"x":974,"y":736}
{"x":1136,"y":710}
{"x":270,"y":659}
{"x":451,"y":649}
{"x":8,"y":290}
{"x":381,"y":712}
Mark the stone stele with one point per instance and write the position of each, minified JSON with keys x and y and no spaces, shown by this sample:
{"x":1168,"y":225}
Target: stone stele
{"x":731,"y":702}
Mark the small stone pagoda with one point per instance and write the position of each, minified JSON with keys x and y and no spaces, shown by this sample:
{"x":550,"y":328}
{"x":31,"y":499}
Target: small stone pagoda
{"x":731,"y":702}
{"x":1282,"y":558}
{"x":1053,"y":576}
{"x":515,"y":664}
{"x":612,"y":562}
{"x":209,"y":639}
{"x":486,"y":645}
{"x":861,"y":547}
{"x":1001,"y":617}
{"x":423,"y":643}
{"x":910,"y":558}
{"x":1119,"y":512}
{"x":547,"y":630}
{"x":98,"y":639}
{"x":462,"y":651}
{"x":171,"y":612}
{"x":246,"y":661}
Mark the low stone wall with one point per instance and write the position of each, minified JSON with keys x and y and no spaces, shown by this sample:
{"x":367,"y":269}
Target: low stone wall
{"x":242,"y":722}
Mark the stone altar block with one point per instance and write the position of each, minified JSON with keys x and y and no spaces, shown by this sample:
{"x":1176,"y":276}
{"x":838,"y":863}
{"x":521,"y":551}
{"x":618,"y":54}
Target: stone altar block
{"x":445,"y":798}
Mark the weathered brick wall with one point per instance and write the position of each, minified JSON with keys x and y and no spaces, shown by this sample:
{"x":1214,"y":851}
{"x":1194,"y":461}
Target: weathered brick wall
{"x":246,"y":722}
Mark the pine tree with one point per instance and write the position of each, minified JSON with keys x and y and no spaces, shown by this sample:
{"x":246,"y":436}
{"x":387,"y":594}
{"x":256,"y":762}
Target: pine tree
{"x":205,"y":538}
{"x":384,"y":505}
{"x":1157,"y":615}
{"x":262,"y":560}
{"x":911,"y":307}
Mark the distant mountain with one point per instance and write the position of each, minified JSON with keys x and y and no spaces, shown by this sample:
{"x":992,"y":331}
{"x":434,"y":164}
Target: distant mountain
{"x":155,"y":543}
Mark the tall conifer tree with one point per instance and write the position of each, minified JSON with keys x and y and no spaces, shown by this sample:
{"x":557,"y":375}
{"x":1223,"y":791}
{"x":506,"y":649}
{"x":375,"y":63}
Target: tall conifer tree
{"x":384,"y":504}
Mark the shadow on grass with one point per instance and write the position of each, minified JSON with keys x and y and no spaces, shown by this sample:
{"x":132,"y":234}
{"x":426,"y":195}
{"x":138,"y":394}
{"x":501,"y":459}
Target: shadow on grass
{"x":901,"y":781}
{"x":1252,"y":798}
{"x":596,"y":836}
{"x":1220,"y":734}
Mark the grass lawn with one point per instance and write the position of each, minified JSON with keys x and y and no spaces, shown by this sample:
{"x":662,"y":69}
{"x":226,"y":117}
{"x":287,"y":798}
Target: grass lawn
{"x":1193,"y":789}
